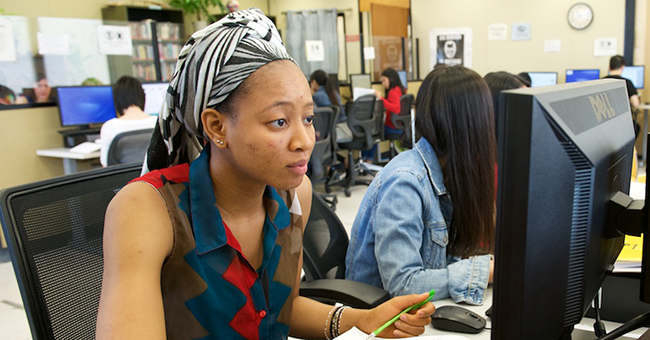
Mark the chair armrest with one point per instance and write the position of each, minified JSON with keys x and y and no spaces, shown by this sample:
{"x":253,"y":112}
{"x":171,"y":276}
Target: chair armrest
{"x":352,"y":293}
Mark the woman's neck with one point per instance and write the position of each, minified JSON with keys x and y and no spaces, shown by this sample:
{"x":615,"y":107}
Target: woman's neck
{"x":237,"y":198}
{"x":133,"y":112}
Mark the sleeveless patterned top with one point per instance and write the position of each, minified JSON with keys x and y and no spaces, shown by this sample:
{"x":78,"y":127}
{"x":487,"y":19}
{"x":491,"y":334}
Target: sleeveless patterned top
{"x":209,"y":289}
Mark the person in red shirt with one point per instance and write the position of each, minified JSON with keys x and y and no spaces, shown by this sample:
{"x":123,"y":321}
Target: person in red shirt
{"x":391,"y":99}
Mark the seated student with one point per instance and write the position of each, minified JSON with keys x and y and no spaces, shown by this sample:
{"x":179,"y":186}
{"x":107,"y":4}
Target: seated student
{"x":501,"y":81}
{"x":41,"y":93}
{"x":427,"y":219}
{"x":213,"y":247}
{"x":616,"y":66}
{"x":394,"y":90}
{"x":324,"y":94}
{"x":7,"y":95}
{"x":524,"y":78}
{"x":128,"y":97}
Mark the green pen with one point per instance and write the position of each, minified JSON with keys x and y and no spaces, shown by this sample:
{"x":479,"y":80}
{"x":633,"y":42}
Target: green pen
{"x":391,"y":321}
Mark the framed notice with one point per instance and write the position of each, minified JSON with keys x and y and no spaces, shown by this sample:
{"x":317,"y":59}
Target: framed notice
{"x":451,"y":46}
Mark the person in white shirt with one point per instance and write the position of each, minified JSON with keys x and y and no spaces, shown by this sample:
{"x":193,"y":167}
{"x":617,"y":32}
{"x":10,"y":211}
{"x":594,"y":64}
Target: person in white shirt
{"x":128,"y":96}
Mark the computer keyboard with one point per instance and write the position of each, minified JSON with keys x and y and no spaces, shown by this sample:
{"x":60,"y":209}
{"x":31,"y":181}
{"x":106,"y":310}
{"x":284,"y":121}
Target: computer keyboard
{"x":86,"y":147}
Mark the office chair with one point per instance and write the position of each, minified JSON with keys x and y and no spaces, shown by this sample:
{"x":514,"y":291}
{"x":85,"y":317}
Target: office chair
{"x":129,"y":147}
{"x":54,"y":231}
{"x":364,"y":120}
{"x":325,"y":243}
{"x":402,"y":122}
{"x":324,"y":152}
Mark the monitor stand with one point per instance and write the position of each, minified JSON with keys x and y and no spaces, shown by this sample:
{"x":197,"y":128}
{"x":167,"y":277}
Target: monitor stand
{"x":80,"y":134}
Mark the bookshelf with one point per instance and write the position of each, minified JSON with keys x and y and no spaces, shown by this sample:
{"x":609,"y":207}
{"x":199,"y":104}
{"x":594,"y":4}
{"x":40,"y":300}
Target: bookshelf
{"x":157,"y":36}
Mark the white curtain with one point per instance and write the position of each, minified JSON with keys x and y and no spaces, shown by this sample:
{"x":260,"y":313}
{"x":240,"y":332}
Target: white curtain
{"x":315,"y":25}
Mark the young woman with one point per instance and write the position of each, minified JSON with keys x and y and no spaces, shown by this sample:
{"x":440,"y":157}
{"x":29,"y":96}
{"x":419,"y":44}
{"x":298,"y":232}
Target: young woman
{"x":324,"y":94}
{"x":129,"y":98}
{"x":211,"y":247}
{"x":427,"y":218}
{"x":391,"y":100}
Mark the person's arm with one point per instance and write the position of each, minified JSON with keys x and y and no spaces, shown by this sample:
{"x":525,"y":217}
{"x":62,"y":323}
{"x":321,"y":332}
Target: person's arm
{"x":392,"y":101}
{"x":308,"y":317}
{"x":138,"y":235}
{"x":400,"y":232}
{"x":105,"y":139}
{"x":634,"y":102}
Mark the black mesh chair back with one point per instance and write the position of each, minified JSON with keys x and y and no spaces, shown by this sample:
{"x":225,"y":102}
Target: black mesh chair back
{"x":129,"y":147}
{"x":54,"y":231}
{"x":324,"y":122}
{"x":325,"y":243}
{"x":362,"y":122}
{"x":402,"y":122}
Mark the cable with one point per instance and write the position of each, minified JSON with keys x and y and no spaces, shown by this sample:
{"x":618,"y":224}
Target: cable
{"x":599,"y":326}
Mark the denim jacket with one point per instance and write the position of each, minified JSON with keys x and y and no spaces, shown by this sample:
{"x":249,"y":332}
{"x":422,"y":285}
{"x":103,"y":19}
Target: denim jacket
{"x":400,"y":234}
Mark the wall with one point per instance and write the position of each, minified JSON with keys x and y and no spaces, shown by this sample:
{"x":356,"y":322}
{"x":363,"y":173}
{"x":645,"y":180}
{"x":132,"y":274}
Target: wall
{"x":351,"y":21}
{"x":548,"y":19}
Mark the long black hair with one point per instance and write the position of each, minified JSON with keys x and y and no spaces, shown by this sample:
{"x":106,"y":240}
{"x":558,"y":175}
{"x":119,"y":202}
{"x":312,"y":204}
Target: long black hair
{"x":322,"y":79}
{"x":501,"y":81}
{"x":454,"y":114}
{"x":393,"y":80}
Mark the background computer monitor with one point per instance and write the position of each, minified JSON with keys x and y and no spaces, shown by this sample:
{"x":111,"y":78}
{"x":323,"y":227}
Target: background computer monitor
{"x":563,"y":152}
{"x":360,"y":81}
{"x":154,"y":97}
{"x":403,"y":78}
{"x":573,"y":76}
{"x":538,"y":79}
{"x":85,"y":105}
{"x":636,"y":74}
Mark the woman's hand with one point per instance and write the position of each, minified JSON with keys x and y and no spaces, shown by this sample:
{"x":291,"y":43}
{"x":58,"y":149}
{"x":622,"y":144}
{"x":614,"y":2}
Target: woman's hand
{"x":409,"y":324}
{"x":378,"y":94}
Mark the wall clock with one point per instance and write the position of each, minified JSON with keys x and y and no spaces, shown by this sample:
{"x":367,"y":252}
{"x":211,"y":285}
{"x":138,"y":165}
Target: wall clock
{"x":580,"y":16}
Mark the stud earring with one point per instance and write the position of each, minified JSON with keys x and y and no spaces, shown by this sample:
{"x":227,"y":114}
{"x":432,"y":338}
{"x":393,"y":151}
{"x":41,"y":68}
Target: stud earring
{"x":217,"y":141}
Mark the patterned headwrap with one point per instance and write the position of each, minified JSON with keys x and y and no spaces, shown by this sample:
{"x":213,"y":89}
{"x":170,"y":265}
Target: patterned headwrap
{"x":213,"y":62}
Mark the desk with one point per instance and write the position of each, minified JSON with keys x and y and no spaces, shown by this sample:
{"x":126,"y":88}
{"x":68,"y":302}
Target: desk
{"x":644,"y":136}
{"x":69,"y":158}
{"x":583,"y":330}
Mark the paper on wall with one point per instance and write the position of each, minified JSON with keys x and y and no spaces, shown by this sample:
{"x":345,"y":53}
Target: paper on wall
{"x":7,"y":43}
{"x":604,"y":47}
{"x":56,"y":44}
{"x":554,"y":45}
{"x":369,"y":53}
{"x":497,"y":32}
{"x":114,"y":40}
{"x":315,"y":50}
{"x":521,"y":31}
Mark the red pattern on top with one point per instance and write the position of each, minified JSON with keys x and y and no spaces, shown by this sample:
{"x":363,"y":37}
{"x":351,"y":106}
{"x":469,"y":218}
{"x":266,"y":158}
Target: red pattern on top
{"x":177,"y":174}
{"x":392,"y":104}
{"x":242,"y":276}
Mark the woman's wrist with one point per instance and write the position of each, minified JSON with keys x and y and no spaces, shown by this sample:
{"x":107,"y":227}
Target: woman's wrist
{"x":354,"y":318}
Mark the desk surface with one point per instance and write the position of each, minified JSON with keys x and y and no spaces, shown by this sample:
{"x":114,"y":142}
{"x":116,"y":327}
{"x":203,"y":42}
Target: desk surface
{"x":583,"y":330}
{"x":65,"y":153}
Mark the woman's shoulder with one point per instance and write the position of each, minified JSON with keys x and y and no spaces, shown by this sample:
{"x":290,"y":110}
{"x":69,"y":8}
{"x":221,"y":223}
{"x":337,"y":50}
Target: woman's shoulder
{"x":158,"y":178}
{"x":408,"y":165}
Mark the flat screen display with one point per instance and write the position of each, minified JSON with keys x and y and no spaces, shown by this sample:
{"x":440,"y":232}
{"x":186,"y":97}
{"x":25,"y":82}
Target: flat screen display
{"x":573,"y":76}
{"x":84,"y":105}
{"x":403,"y":78}
{"x":636,"y":74}
{"x":538,"y":79}
{"x":154,"y":97}
{"x":360,"y":81}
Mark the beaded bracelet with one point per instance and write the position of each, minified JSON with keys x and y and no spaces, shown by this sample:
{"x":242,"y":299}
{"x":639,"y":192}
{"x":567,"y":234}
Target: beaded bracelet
{"x":333,"y":321}
{"x":327,"y":321}
{"x":337,"y":316}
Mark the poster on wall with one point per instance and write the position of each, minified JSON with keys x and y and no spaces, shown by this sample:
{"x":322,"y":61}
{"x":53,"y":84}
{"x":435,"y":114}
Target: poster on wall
{"x":451,"y":46}
{"x":114,"y":40}
{"x":388,"y":53}
{"x":521,"y":31}
{"x":604,"y":47}
{"x":315,"y":50}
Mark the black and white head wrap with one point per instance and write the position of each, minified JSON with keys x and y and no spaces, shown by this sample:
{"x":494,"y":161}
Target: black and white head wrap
{"x":213,"y":62}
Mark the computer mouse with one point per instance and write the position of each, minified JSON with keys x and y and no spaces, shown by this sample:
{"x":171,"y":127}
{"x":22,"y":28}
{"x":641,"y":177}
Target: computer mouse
{"x":457,"y":319}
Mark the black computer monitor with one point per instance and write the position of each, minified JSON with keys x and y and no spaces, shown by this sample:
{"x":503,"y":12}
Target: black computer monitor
{"x":84,"y":105}
{"x":563,"y":152}
{"x":538,"y":79}
{"x":154,"y":94}
{"x":360,"y":81}
{"x":573,"y":76}
{"x":403,"y":78}
{"x":636,"y":74}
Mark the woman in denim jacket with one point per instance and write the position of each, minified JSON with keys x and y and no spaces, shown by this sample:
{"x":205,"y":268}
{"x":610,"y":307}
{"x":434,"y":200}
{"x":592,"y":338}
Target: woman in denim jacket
{"x":427,"y":220}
